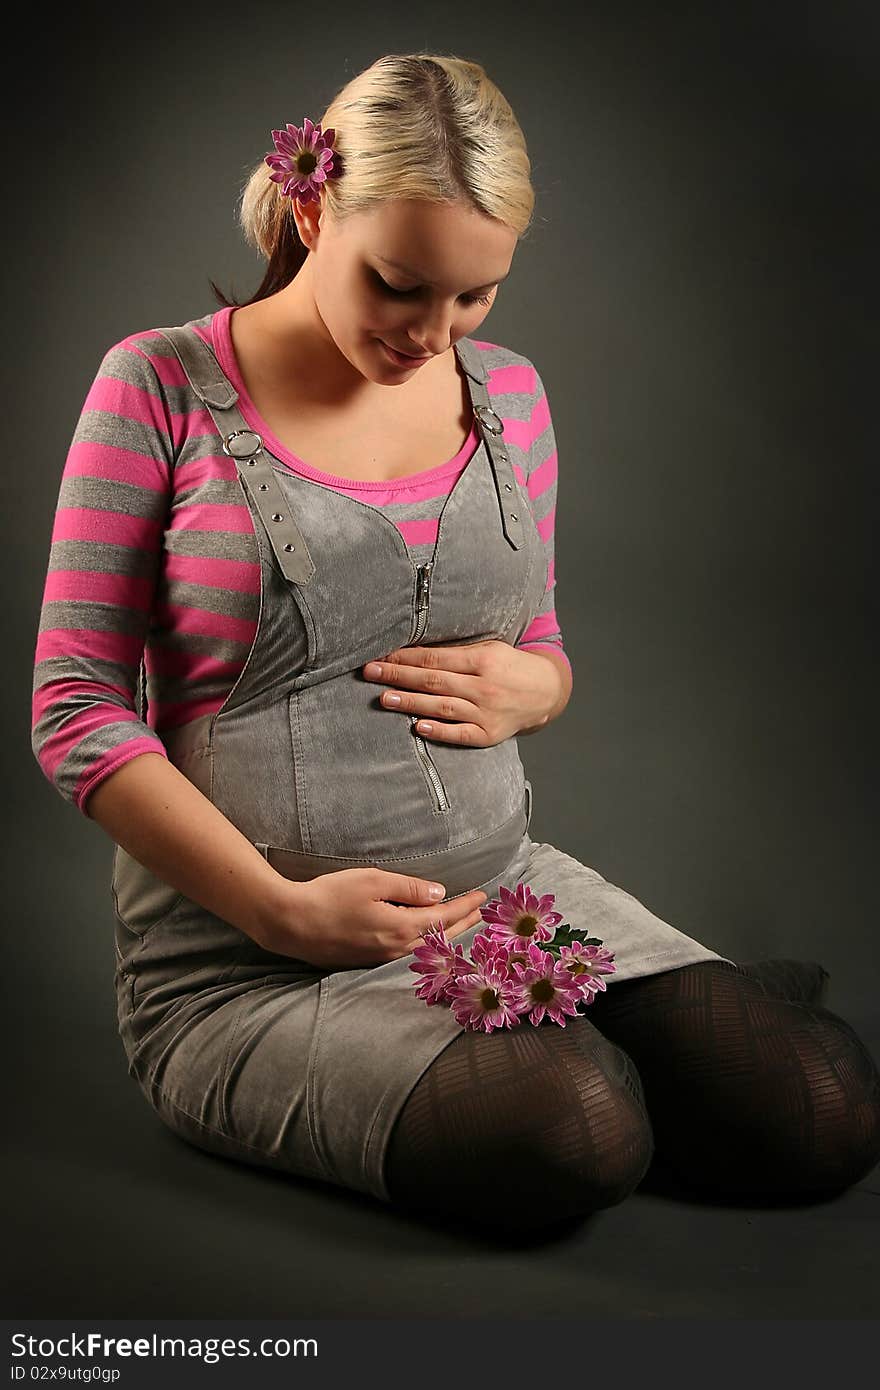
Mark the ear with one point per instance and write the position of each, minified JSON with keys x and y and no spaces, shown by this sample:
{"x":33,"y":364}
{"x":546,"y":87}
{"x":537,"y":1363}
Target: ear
{"x":308,"y":221}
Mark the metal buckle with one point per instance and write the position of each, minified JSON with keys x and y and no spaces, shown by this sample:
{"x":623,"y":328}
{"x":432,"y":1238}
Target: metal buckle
{"x":486,"y":415}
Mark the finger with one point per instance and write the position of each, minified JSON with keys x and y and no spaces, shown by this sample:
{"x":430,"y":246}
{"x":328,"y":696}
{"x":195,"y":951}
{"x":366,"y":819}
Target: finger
{"x":455,"y":709}
{"x":470,"y":734}
{"x":398,"y":673}
{"x":453,"y":912}
{"x":434,"y":677}
{"x":465,"y":924}
{"x":473,"y":895}
{"x":447,"y":909}
{"x":462,"y":659}
{"x":450,"y":932}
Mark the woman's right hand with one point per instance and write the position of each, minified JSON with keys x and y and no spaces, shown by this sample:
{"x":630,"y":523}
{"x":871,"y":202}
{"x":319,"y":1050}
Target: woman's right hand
{"x":358,"y":917}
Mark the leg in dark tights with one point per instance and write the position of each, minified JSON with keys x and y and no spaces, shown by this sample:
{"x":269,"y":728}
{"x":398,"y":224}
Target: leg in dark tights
{"x":783,"y":978}
{"x":748,"y":1094}
{"x":739,"y":1091}
{"x":521,"y":1128}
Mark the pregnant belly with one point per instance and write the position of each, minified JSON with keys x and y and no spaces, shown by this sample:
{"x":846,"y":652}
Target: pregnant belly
{"x":326,"y":778}
{"x":369,"y":787}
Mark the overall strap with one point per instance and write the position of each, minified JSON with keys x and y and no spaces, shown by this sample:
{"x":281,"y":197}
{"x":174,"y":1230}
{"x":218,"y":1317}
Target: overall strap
{"x":245,"y":447}
{"x":491,"y":428}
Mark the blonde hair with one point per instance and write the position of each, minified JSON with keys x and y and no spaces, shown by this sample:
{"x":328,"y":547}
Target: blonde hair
{"x":429,"y":126}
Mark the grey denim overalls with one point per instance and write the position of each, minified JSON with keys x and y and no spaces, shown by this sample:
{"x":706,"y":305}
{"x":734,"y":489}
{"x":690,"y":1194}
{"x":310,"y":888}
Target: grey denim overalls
{"x":263,"y":1057}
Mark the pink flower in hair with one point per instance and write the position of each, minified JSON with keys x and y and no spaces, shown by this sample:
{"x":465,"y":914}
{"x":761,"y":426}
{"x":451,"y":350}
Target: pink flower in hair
{"x":305,"y":159}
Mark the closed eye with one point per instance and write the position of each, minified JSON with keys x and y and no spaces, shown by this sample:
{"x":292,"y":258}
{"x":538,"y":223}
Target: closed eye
{"x":390,"y":289}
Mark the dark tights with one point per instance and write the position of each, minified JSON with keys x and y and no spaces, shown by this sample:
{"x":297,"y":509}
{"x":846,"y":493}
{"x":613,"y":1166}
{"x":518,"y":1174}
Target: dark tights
{"x":735,"y":1084}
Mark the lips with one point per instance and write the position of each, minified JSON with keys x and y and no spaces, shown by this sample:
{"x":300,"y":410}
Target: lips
{"x":408,"y":355}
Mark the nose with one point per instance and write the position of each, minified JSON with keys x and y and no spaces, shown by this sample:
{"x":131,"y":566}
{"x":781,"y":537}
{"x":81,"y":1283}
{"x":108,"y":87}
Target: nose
{"x":433,"y":333}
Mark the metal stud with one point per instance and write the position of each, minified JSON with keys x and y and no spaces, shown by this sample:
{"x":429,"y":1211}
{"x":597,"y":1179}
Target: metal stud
{"x":514,"y":516}
{"x":289,"y":546}
{"x":241,"y":453}
{"x":277,"y":516}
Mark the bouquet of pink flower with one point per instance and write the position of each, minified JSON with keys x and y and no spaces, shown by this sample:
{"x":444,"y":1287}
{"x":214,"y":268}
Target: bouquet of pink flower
{"x":510,"y":975}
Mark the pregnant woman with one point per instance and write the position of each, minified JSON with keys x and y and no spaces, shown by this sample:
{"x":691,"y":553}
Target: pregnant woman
{"x":299,"y":607}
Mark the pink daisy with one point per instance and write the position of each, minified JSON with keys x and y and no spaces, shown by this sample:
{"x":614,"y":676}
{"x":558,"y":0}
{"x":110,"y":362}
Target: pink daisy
{"x":488,"y":997}
{"x":486,"y":947}
{"x":586,"y":965}
{"x":305,"y":159}
{"x":520,"y":917}
{"x":438,"y":963}
{"x":548,"y":986}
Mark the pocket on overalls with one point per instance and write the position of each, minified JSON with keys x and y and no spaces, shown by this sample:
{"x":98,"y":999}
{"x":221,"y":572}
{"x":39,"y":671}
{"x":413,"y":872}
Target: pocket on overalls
{"x":141,"y":900}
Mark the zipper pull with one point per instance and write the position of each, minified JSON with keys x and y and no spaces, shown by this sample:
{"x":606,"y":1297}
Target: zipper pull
{"x":423,"y":587}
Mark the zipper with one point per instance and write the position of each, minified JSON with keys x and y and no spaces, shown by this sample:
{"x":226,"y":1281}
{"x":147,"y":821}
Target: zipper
{"x":423,"y":594}
{"x":423,"y":587}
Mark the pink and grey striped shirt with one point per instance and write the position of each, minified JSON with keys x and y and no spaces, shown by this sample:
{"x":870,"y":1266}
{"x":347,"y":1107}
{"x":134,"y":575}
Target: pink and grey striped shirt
{"x":156,"y":557}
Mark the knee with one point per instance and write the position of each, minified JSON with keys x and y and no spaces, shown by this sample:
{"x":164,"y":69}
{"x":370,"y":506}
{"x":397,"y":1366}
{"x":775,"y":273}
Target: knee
{"x":844,"y":1103}
{"x":822,"y":1107}
{"x":599,"y":1149}
{"x":806,"y":1120}
{"x":537,"y":1148}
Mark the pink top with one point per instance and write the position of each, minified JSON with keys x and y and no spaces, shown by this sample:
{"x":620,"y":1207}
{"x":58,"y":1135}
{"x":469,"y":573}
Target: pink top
{"x":151,"y":556}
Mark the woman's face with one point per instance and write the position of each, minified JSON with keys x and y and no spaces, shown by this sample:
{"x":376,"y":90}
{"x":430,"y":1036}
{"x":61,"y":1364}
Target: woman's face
{"x":414,"y":275}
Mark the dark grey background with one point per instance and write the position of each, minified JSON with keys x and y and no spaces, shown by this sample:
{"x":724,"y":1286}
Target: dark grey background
{"x":698,"y":293}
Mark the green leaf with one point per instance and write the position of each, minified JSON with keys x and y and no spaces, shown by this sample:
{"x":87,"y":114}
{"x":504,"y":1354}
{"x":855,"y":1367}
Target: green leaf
{"x":566,"y":935}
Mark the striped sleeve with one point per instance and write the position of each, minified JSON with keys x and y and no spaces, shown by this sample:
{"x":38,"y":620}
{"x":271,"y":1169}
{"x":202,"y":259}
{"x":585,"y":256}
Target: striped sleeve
{"x":103,"y":567}
{"x":543,"y":632}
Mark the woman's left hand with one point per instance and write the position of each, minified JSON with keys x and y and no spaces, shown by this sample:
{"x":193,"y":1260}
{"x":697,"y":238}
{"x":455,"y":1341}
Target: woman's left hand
{"x":479,"y":694}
